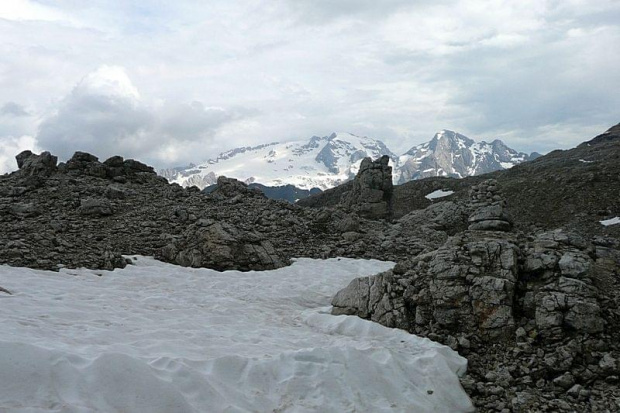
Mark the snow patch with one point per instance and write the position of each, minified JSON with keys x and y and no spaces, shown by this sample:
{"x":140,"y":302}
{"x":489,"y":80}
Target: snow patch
{"x":155,"y":338}
{"x":438,"y":194}
{"x":612,"y":221}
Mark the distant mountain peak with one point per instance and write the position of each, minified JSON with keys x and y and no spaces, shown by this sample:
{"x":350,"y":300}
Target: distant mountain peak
{"x":327,"y":161}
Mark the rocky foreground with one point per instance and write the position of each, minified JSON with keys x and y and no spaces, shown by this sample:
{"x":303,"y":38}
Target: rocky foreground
{"x":513,"y":269}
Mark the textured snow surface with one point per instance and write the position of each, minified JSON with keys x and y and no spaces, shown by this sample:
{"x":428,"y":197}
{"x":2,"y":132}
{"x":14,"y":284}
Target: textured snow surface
{"x":438,"y":194}
{"x":612,"y":221}
{"x":160,"y":338}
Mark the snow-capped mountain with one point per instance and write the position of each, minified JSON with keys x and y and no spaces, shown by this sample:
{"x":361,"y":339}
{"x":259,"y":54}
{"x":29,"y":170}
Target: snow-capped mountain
{"x":321,"y":162}
{"x":328,"y":161}
{"x":452,"y":154}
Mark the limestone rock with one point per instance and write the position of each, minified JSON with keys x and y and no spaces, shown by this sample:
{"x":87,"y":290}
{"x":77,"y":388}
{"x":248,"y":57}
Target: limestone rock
{"x":370,"y":196}
{"x":223,"y":247}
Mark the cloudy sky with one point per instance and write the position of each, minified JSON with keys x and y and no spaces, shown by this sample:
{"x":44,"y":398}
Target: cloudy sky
{"x":170,"y":82}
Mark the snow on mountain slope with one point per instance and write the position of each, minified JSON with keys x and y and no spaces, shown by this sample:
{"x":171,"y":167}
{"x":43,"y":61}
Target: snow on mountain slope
{"x":452,"y":154}
{"x":322,"y":162}
{"x":325,"y":162}
{"x":158,"y":338}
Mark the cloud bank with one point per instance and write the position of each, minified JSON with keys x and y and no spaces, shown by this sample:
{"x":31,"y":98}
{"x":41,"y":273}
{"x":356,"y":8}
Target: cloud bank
{"x":172,"y":83}
{"x":105,"y":115}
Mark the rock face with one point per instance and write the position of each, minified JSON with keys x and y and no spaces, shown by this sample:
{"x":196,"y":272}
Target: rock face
{"x":483,"y":280}
{"x":30,"y":164}
{"x":372,"y":189}
{"x":452,"y":154}
{"x":221,"y":246}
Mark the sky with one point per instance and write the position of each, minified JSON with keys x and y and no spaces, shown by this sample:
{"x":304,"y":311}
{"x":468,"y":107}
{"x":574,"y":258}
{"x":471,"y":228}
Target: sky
{"x":173,"y":82}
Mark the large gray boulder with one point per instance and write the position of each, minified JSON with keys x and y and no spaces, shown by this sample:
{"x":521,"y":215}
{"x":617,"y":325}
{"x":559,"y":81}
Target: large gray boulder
{"x":222,"y":246}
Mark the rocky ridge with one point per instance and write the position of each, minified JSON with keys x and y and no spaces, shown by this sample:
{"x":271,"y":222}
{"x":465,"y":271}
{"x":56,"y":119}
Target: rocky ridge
{"x":87,"y":213}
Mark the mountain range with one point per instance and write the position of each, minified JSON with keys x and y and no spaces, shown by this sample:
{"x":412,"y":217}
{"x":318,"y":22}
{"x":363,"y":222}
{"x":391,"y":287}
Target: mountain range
{"x":328,"y":161}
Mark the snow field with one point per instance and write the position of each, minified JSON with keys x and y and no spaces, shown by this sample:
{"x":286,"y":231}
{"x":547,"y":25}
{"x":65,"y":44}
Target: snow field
{"x":160,"y":338}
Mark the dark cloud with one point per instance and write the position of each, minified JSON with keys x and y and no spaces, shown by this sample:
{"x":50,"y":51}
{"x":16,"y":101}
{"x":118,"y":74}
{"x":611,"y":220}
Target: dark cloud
{"x":13,"y":109}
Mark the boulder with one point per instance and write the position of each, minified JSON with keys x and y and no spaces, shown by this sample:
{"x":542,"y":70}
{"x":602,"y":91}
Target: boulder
{"x":30,"y":164}
{"x":229,"y":188}
{"x":222,"y":247}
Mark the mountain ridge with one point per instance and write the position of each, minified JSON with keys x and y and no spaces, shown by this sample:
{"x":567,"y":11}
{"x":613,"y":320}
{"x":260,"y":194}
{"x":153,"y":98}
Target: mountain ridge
{"x":328,"y":161}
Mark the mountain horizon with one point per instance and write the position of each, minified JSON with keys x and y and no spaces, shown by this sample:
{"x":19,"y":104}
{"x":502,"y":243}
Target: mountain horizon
{"x":328,"y":161}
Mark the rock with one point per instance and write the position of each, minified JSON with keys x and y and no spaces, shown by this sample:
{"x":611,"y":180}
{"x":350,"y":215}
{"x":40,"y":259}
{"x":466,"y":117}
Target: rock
{"x":98,"y":207}
{"x":115,"y":192}
{"x":25,"y":209}
{"x":490,"y":218}
{"x":575,"y":390}
{"x":564,"y":381}
{"x":490,"y":225}
{"x":223,"y":247}
{"x":524,"y":402}
{"x":230,"y":188}
{"x":574,"y":265}
{"x":36,"y":165}
{"x":349,"y":223}
{"x":609,"y":364}
{"x":371,"y":190}
{"x":131,"y":166}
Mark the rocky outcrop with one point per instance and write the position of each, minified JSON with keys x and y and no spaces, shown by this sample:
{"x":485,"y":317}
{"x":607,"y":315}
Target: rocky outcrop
{"x":528,"y":308}
{"x":221,"y":246}
{"x":30,"y":164}
{"x":371,"y":190}
{"x":229,"y":188}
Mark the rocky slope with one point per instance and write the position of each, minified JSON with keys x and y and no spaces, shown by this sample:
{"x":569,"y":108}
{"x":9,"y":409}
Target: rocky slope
{"x":87,"y":213}
{"x":328,"y":161}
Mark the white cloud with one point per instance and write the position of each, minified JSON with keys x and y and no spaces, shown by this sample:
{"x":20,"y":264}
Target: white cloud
{"x":265,"y":71}
{"x":105,"y":115}
{"x":28,"y":10}
{"x":11,"y":146}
